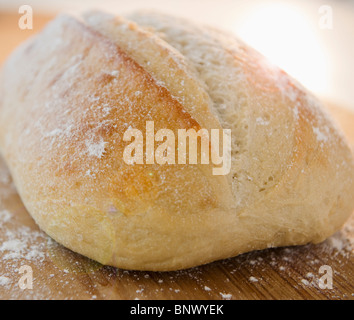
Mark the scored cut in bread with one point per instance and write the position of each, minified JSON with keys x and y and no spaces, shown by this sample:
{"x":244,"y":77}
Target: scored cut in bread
{"x":69,"y":94}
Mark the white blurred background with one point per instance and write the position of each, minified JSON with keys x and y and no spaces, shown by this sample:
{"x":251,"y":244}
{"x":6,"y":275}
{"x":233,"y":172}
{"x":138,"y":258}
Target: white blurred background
{"x":313,"y":40}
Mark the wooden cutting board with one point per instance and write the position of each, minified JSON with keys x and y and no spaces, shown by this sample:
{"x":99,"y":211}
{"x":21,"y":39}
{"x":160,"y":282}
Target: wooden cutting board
{"x":58,"y":273}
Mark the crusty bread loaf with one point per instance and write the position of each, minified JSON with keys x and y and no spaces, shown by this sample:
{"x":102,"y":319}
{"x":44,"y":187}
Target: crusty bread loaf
{"x":69,"y":94}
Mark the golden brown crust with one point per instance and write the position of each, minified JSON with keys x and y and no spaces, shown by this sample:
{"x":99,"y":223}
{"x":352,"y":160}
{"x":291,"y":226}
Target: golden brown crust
{"x":67,"y":98}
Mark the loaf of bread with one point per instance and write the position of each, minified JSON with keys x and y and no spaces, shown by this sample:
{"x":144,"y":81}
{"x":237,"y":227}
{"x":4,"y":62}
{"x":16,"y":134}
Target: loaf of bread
{"x":68,"y":95}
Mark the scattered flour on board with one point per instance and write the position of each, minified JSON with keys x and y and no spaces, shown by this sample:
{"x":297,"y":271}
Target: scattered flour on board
{"x":19,"y":244}
{"x":4,"y":281}
{"x":253,"y":279}
{"x":23,"y":244}
{"x":305,"y":282}
{"x":226,"y":296}
{"x":5,"y":217}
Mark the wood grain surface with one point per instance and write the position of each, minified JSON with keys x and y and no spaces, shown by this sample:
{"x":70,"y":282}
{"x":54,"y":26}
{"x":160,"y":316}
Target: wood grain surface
{"x":58,"y":273}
